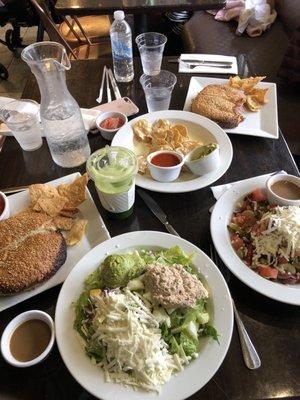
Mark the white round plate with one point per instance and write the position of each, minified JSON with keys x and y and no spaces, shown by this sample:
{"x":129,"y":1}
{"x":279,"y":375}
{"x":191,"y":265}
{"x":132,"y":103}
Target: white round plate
{"x":220,"y":218}
{"x":185,"y":383}
{"x":198,"y":126}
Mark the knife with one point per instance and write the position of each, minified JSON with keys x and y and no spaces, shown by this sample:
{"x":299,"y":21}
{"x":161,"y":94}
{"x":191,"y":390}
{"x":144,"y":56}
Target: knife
{"x":157,"y":211}
{"x":204,"y":62}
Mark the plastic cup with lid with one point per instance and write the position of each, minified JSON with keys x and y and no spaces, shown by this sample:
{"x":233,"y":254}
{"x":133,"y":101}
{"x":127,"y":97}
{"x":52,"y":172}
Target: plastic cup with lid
{"x":113,"y":170}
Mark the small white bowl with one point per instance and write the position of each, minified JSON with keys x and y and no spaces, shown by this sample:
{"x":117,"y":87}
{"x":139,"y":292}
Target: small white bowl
{"x":12,"y":326}
{"x":273,"y":198}
{"x":205,"y":164}
{"x":108,"y":134}
{"x":6,"y":212}
{"x":165,"y":174}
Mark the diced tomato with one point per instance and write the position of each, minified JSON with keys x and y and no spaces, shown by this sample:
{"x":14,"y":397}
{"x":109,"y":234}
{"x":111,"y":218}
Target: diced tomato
{"x":236,"y":242}
{"x":267,"y":272}
{"x":112,"y":123}
{"x":259,"y":195}
{"x":259,"y":228}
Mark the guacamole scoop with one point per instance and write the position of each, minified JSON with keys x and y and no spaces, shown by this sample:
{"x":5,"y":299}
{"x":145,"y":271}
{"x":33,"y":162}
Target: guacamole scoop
{"x":118,"y":269}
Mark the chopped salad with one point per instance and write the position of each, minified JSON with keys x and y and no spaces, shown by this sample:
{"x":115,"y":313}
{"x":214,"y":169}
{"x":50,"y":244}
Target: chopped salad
{"x":267,"y":237}
{"x":138,"y":331}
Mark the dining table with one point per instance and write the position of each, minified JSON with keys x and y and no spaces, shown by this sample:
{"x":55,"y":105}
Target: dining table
{"x":139,"y":8}
{"x":274,"y":327}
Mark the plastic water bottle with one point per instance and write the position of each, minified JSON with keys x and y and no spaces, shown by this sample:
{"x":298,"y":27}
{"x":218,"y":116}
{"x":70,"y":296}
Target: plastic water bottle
{"x":121,"y":44}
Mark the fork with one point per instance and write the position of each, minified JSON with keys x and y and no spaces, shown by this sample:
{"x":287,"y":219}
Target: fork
{"x":251,"y":358}
{"x":193,"y":66}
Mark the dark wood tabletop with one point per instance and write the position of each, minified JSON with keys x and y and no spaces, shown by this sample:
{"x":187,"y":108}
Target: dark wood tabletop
{"x":274,"y":327}
{"x":88,"y":7}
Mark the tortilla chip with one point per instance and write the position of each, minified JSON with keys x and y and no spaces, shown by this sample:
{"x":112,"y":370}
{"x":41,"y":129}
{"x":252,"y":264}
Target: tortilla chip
{"x":75,"y":192}
{"x":69,"y":213}
{"x":63,"y":223}
{"x":41,"y":190}
{"x":77,"y":231}
{"x":51,"y":205}
{"x":252,"y":104}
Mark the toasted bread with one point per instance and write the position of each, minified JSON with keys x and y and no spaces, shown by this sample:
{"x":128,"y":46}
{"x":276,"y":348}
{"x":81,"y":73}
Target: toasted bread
{"x":221,"y":104}
{"x":30,"y":251}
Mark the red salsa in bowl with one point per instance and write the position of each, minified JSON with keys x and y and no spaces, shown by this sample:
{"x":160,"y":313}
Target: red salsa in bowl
{"x":112,"y":123}
{"x":2,"y":204}
{"x":165,"y":160}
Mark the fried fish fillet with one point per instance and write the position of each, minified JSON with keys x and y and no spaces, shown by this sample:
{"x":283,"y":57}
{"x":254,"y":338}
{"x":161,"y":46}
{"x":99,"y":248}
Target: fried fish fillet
{"x":31,"y":251}
{"x":220,"y":103}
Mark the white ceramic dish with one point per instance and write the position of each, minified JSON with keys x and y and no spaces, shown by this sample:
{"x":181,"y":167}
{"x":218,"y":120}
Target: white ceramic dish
{"x":205,"y":164}
{"x":6,"y":212}
{"x":96,"y":233}
{"x":165,"y":174}
{"x":220,"y":218}
{"x":109,"y":134}
{"x":263,"y":123}
{"x":12,"y":326}
{"x":273,"y":198}
{"x":198,"y":126}
{"x":185,"y":383}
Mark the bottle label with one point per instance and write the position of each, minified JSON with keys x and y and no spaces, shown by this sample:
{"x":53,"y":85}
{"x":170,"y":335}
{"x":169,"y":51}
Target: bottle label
{"x":117,"y":203}
{"x":121,"y":49}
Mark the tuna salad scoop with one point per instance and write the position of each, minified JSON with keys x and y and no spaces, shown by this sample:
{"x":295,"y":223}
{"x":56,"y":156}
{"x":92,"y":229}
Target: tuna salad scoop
{"x":172,"y":286}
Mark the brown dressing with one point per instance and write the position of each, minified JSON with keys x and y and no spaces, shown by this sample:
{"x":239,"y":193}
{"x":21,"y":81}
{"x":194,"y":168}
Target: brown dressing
{"x":286,"y":189}
{"x":29,"y":340}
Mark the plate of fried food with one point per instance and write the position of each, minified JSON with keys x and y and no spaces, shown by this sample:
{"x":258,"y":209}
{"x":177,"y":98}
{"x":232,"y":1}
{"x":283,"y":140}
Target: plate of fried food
{"x":175,"y":131}
{"x":243,"y":106}
{"x":51,"y":226}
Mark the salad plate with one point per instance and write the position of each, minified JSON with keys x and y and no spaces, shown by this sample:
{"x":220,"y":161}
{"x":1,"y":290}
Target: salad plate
{"x":220,"y":218}
{"x":186,"y":382}
{"x":199,"y":128}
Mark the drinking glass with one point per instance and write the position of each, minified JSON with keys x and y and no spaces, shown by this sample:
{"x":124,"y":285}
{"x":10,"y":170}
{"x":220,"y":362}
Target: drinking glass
{"x":22,"y":118}
{"x":151,"y":46}
{"x":158,"y":90}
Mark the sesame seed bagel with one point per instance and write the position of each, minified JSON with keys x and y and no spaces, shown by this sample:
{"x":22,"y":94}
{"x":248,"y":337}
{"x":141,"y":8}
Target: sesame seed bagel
{"x":31,"y":251}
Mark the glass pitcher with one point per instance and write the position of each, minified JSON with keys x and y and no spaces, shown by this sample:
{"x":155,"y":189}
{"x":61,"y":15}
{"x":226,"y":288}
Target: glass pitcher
{"x":60,"y":114}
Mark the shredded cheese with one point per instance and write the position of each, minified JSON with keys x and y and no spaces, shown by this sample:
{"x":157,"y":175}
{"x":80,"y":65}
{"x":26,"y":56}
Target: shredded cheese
{"x":136,"y":354}
{"x":282,"y":235}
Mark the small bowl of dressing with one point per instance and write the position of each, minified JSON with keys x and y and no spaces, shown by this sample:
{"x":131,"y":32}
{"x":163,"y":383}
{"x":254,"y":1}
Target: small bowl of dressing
{"x":284,"y":190}
{"x":4,"y":207}
{"x":108,"y":123}
{"x":203,"y":159}
{"x":28,"y":339}
{"x":165,"y":165}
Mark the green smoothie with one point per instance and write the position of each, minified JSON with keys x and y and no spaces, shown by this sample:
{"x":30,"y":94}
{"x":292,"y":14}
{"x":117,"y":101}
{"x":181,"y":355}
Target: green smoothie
{"x":113,"y":170}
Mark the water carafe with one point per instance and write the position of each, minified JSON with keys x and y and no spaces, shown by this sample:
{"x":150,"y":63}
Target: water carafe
{"x":60,"y":114}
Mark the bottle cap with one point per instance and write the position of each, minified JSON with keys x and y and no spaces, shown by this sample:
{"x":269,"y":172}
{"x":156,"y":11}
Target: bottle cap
{"x":119,"y":15}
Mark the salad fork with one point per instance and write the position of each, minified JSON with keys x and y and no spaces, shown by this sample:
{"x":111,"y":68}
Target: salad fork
{"x":251,"y":358}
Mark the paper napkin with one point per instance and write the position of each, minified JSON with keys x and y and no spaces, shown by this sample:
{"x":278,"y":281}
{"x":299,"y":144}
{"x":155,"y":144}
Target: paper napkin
{"x":183,"y":67}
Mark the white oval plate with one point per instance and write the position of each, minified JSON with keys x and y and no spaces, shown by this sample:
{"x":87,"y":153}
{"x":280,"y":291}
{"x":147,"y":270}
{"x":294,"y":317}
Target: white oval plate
{"x":185,"y":383}
{"x":220,"y":218}
{"x":210,"y":132}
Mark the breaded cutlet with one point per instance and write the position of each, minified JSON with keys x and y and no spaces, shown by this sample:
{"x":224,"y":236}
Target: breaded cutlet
{"x":220,"y":103}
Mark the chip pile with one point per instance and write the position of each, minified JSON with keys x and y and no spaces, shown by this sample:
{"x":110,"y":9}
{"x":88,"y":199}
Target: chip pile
{"x":162,"y":135}
{"x":61,"y":203}
{"x":256,"y":97}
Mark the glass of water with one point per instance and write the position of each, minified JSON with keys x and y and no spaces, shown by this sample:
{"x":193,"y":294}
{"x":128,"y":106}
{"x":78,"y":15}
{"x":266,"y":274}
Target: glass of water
{"x":151,"y":46}
{"x":22,"y":118}
{"x":158,"y":90}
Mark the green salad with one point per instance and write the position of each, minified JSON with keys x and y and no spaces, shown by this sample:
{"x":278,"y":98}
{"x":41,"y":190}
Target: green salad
{"x":142,"y":315}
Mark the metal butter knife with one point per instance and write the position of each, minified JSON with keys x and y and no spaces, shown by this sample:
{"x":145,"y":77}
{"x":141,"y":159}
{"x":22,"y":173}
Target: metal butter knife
{"x":200,"y":61}
{"x":157,"y":211}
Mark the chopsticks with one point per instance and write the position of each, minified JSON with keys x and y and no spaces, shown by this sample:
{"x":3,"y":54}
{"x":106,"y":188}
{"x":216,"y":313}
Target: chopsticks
{"x":107,"y":80}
